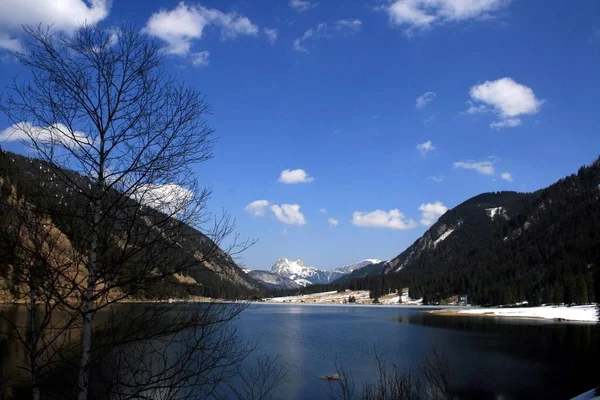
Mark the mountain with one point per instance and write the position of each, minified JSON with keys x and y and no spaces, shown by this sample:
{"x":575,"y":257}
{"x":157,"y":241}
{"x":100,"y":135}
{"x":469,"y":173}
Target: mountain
{"x":284,"y":274}
{"x":505,"y":247}
{"x":24,"y":179}
{"x":272,"y":280}
{"x":359,"y":265}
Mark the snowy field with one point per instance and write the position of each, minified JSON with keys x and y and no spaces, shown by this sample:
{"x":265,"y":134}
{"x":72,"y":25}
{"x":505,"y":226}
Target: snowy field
{"x":576,"y":313}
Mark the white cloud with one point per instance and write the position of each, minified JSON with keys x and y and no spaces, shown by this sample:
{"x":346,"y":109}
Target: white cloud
{"x":393,"y":219}
{"x":438,"y":178}
{"x":431,"y":212}
{"x":257,"y":208}
{"x":271,"y":34}
{"x":506,"y":98}
{"x":425,"y":148}
{"x":333,"y":222}
{"x":342,"y":27}
{"x":10,"y":44}
{"x":184,"y":24}
{"x":347,"y":25}
{"x":323,"y":211}
{"x":169,"y":198}
{"x":483,"y":167}
{"x":506,"y":176}
{"x":301,"y":5}
{"x":288,"y":214}
{"x":506,"y":123}
{"x":200,"y":59}
{"x":58,"y":134}
{"x":424,"y":99}
{"x":63,"y":15}
{"x":290,"y":176}
{"x":423,"y":14}
{"x":429,"y":118}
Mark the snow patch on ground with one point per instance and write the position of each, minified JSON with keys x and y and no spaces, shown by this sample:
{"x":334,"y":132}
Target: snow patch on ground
{"x":493,"y":212}
{"x":302,"y":282}
{"x":442,"y":237}
{"x":576,"y":313}
{"x":361,"y":297}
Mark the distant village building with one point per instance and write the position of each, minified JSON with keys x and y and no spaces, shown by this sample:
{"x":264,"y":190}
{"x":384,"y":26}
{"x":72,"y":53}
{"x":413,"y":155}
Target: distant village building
{"x":463,"y":300}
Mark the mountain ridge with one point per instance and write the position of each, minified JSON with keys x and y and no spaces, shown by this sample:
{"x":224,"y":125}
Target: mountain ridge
{"x":503,"y":248}
{"x":33,"y":181}
{"x":286,"y":271}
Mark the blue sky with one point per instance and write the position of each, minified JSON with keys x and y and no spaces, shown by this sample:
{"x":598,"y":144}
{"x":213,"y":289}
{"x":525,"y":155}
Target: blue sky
{"x":509,"y":101}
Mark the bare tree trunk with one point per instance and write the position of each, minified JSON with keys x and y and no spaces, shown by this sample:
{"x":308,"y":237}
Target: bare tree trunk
{"x":86,"y":343}
{"x":35,"y":391}
{"x":88,"y":312}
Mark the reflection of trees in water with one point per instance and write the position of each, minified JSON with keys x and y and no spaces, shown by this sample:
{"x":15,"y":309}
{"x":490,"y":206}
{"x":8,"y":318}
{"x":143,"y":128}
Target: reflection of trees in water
{"x":525,"y":338}
{"x":566,"y":351}
{"x":161,"y":351}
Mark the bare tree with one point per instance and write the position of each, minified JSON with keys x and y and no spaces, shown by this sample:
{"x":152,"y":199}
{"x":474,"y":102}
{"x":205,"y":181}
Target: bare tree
{"x":122,"y":138}
{"x":36,"y":265}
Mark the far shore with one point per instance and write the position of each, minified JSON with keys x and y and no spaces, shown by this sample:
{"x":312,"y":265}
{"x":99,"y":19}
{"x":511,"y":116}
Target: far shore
{"x":583,"y":314}
{"x":580,"y":314}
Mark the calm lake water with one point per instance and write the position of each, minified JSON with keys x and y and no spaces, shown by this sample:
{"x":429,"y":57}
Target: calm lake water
{"x":490,"y":358}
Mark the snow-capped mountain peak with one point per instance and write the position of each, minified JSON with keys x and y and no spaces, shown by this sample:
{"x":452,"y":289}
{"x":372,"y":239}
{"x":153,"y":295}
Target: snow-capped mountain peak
{"x":292,"y":269}
{"x":303,"y":274}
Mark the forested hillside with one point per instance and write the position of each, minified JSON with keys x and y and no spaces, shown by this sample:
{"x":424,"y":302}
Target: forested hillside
{"x":505,"y":248}
{"x":24,"y":179}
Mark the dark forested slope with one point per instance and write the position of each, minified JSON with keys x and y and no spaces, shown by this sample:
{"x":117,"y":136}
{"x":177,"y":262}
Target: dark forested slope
{"x":505,"y":247}
{"x":33,"y":181}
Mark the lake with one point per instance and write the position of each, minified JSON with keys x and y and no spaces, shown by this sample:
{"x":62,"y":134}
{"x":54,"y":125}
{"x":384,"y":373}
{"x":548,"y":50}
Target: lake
{"x":489,"y":358}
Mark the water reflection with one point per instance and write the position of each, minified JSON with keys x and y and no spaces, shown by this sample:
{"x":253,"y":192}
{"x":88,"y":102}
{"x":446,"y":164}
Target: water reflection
{"x":489,"y":358}
{"x":556,"y":355}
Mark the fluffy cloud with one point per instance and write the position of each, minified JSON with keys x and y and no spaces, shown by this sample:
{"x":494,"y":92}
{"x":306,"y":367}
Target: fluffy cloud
{"x":323,"y":211}
{"x":10,"y":44}
{"x":170,"y":198}
{"x":333,"y":222}
{"x":342,"y":27}
{"x":184,"y":24}
{"x":200,"y":59}
{"x":392,"y":219}
{"x":423,"y":14}
{"x":424,"y":99}
{"x":257,"y":208}
{"x":57,"y":134}
{"x":63,"y":15}
{"x":287,"y":213}
{"x":431,"y":212}
{"x":506,"y":176}
{"x":271,"y":34}
{"x":292,"y":176}
{"x":425,"y":148}
{"x":506,"y":98}
{"x":483,"y":167}
{"x":301,"y":5}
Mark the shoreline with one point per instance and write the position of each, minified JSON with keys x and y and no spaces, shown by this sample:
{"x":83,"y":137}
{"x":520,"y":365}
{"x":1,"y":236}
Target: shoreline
{"x":580,"y":314}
